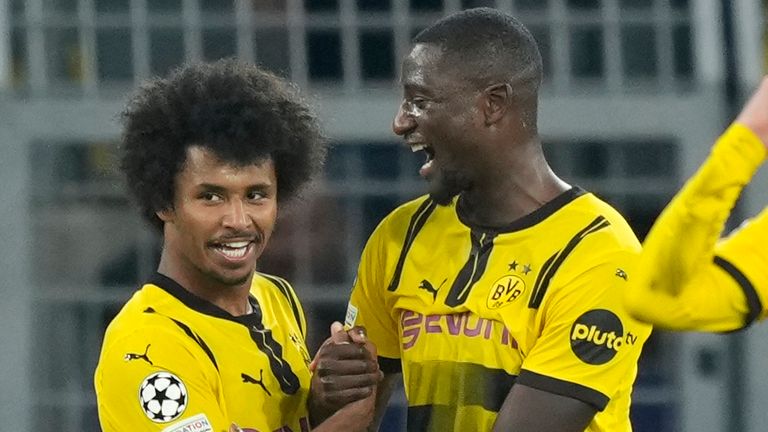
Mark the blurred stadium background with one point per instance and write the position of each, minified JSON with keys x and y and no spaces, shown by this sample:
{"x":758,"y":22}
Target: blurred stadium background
{"x":635,"y":93}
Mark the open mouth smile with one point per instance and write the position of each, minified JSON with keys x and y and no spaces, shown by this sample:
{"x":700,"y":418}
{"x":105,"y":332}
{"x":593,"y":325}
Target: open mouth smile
{"x":234,"y":251}
{"x":425,"y":169}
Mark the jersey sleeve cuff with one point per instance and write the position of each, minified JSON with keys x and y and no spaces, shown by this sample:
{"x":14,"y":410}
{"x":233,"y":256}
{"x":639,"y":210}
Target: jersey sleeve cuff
{"x":563,"y":388}
{"x":754,"y":305}
{"x":751,"y":144}
{"x":744,"y":149}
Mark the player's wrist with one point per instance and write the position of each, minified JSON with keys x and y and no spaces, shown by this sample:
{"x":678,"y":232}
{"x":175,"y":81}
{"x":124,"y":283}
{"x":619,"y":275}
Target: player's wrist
{"x":754,"y":115}
{"x":318,"y":411}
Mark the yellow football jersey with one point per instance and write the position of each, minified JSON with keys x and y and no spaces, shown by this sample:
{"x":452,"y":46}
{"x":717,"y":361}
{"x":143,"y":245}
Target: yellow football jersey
{"x":468,"y":311}
{"x":174,"y":362}
{"x":690,"y":280}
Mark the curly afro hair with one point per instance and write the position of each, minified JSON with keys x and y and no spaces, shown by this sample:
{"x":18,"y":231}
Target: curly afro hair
{"x":241,"y":113}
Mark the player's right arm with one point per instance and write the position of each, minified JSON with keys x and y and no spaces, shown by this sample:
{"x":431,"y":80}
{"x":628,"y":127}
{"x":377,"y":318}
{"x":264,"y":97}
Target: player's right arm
{"x":686,"y":279}
{"x":131,"y":377}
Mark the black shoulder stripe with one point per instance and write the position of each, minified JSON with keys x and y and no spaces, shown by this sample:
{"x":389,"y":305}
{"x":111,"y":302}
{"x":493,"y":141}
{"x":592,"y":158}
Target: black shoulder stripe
{"x":417,"y":223}
{"x":286,"y":290}
{"x":537,"y":297}
{"x":552,"y":265}
{"x":753,"y":300}
{"x":563,"y":388}
{"x":192,"y":335}
{"x":265,"y":341}
{"x":197,"y":339}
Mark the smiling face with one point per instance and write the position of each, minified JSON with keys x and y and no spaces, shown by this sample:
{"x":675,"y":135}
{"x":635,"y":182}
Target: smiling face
{"x":222,"y":217}
{"x":440,"y":115}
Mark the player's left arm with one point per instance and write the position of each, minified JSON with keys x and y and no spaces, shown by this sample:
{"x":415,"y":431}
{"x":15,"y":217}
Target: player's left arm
{"x":683,"y":282}
{"x":572,"y":372}
{"x":530,"y":409}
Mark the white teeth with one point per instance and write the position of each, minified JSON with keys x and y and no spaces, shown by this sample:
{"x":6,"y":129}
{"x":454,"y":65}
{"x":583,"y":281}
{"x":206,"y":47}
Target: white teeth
{"x":234,"y":249}
{"x":418,"y":147}
{"x":236,"y":245}
{"x":234,"y":253}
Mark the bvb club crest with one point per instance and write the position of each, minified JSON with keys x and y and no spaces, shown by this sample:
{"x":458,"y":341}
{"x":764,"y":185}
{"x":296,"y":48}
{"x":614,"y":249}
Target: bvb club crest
{"x":504,"y":291}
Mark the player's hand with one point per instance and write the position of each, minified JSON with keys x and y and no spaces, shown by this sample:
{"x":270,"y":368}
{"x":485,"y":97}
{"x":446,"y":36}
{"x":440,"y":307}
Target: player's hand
{"x":754,"y":115}
{"x":344,"y":370}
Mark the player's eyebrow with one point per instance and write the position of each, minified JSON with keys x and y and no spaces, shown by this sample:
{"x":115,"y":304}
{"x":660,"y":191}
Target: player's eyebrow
{"x":413,"y":87}
{"x":211,"y":187}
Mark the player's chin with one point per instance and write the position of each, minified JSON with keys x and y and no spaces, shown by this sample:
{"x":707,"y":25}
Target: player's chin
{"x":445,"y":185}
{"x":441,"y":195}
{"x":233,"y":277}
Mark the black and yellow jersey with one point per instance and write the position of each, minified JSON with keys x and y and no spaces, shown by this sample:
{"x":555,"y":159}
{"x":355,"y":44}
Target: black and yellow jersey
{"x":172,"y":361}
{"x":692,"y":280}
{"x":468,"y":311}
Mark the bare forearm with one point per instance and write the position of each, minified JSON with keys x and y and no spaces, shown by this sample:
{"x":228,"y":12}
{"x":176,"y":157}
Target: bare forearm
{"x":522,"y":412}
{"x":323,"y":405}
{"x":354,"y":417}
{"x":318,"y":412}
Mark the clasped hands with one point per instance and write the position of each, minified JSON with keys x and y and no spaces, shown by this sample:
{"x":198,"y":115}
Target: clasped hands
{"x":345,"y":375}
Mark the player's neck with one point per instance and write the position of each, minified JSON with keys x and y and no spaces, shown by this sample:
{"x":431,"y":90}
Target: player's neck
{"x":231,"y":298}
{"x":506,"y":198}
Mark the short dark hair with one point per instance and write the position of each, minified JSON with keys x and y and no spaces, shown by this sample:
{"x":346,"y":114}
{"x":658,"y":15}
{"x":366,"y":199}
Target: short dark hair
{"x":241,"y":113}
{"x":487,"y":46}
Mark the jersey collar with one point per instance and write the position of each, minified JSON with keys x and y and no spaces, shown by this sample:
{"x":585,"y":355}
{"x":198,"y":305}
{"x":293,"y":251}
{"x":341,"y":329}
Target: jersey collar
{"x":197,"y":303}
{"x":530,"y":219}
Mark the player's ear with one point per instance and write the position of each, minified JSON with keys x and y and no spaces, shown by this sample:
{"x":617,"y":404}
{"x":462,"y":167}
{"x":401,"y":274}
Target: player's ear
{"x":165,"y":215}
{"x":497,"y":98}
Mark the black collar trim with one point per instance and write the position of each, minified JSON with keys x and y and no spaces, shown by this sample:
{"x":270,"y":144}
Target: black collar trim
{"x":530,"y":219}
{"x":199,"y":304}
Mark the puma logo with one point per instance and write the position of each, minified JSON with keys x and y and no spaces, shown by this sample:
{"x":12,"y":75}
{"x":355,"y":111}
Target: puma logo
{"x":251,"y":380}
{"x":427,"y":286}
{"x":133,"y":356}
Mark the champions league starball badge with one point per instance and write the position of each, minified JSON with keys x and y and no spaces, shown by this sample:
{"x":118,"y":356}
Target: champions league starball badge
{"x":163,"y":397}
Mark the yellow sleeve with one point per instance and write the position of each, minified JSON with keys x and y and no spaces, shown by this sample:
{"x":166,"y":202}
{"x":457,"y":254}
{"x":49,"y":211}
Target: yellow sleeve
{"x":367,"y":305}
{"x":679,"y":284}
{"x":150,"y":380}
{"x":588,"y":346}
